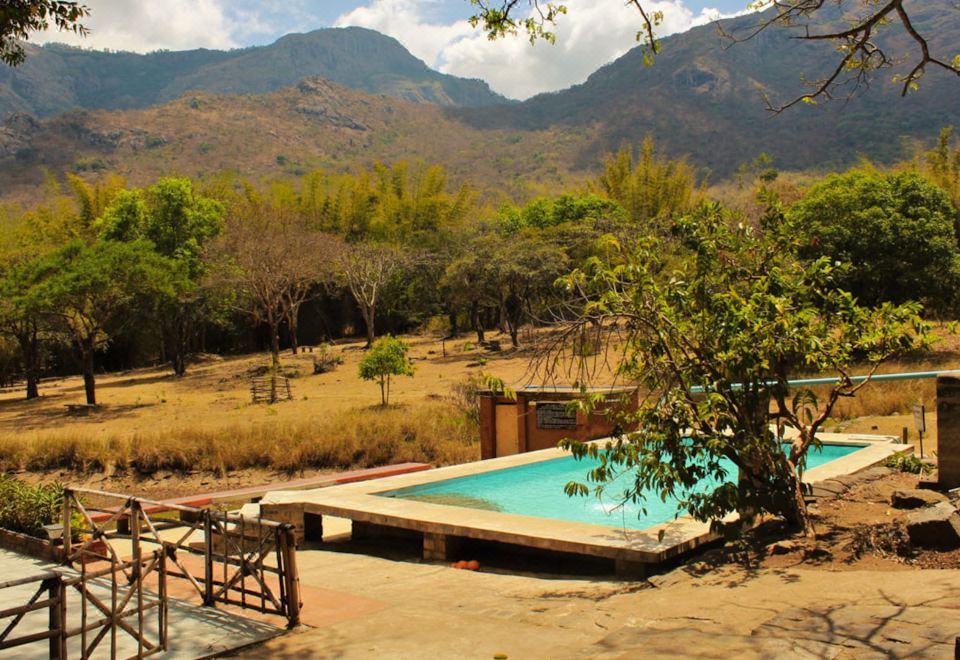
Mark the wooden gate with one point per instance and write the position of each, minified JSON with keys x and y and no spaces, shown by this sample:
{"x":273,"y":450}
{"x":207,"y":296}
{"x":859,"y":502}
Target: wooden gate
{"x":226,"y":558}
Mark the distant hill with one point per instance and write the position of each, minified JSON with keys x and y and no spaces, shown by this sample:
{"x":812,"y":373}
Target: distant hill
{"x":700,"y":100}
{"x":57,"y":78}
{"x":316,"y":124}
{"x":704,"y":98}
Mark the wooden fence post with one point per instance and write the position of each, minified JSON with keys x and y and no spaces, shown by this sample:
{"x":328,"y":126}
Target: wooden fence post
{"x":67,"y":535}
{"x":289,"y":544}
{"x":207,"y":558}
{"x":57,"y":623}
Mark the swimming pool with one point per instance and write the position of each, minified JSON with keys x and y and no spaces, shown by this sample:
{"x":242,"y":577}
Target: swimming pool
{"x":536,"y":490}
{"x":443,"y":526}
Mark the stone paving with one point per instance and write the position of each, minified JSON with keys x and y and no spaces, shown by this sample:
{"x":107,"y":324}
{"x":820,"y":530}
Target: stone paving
{"x":193,"y":631}
{"x":401,"y":608}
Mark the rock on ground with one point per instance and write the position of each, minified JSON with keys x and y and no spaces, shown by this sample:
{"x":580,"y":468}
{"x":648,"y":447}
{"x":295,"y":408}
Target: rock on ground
{"x":935,"y":527}
{"x":915,"y":498}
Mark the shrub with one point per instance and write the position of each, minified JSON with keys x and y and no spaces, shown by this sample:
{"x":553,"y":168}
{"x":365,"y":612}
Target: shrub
{"x":904,"y":462}
{"x":26,"y":509}
{"x":326,"y":360}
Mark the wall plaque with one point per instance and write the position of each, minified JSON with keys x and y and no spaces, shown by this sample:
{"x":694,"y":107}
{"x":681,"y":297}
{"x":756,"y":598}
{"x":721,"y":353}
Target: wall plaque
{"x":555,"y":416}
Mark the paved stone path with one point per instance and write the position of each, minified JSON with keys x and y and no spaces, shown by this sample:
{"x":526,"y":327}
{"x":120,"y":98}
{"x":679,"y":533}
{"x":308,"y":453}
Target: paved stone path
{"x":382,"y":608}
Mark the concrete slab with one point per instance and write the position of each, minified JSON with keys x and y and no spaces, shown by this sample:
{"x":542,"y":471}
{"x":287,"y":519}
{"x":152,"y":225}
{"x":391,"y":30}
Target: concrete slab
{"x":362,"y":502}
{"x":193,"y":631}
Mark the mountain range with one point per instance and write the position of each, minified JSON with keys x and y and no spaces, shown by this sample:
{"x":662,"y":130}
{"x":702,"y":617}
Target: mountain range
{"x":264,"y":112}
{"x":57,"y":78}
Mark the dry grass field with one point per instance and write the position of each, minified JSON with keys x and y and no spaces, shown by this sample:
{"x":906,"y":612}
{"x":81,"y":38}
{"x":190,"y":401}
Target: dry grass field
{"x":158,"y":435}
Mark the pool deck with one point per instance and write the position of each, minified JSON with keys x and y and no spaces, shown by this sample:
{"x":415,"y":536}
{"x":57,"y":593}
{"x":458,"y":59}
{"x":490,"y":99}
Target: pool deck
{"x":442,"y":525}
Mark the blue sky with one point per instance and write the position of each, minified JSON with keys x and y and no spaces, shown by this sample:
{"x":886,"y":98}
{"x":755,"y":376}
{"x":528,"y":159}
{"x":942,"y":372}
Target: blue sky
{"x":593,"y":33}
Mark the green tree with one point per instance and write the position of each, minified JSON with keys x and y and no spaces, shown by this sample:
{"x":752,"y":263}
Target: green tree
{"x":18,"y":18}
{"x":95,"y":291}
{"x":713,"y":325}
{"x":22,"y":319}
{"x":894,"y":231}
{"x":387,"y":357}
{"x":179,"y":222}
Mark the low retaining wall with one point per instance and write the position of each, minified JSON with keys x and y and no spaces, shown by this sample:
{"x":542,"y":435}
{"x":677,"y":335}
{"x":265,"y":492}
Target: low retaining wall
{"x":29,"y":545}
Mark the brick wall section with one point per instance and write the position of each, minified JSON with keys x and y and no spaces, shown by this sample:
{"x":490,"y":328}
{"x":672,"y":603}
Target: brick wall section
{"x":28,"y":545}
{"x":531,"y":438}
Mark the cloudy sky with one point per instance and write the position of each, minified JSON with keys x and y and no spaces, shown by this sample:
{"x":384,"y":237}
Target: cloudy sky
{"x":592,"y":34}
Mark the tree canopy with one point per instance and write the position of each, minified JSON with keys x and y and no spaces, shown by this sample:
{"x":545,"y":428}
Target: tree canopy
{"x":894,"y":233}
{"x":712,"y":323}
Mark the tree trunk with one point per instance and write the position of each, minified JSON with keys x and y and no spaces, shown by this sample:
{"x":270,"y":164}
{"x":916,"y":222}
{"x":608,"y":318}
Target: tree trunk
{"x":454,"y":330}
{"x":514,"y":334}
{"x":181,"y":336}
{"x":29,"y":349}
{"x":274,"y":359}
{"x":383,"y":392}
{"x":292,"y":322}
{"x":477,"y":321}
{"x":368,"y":319}
{"x":89,"y":384}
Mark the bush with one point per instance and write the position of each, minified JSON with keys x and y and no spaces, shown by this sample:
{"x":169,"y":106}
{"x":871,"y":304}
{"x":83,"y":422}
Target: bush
{"x":904,"y":462}
{"x":326,"y":360}
{"x":26,"y":509}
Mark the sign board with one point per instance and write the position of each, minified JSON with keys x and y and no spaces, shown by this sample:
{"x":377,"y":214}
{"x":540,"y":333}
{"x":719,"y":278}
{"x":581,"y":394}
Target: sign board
{"x":555,"y":416}
{"x":919,"y":417}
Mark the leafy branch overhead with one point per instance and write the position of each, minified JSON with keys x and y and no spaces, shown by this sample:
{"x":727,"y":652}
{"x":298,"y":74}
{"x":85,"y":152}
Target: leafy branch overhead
{"x":855,"y":33}
{"x":18,"y":18}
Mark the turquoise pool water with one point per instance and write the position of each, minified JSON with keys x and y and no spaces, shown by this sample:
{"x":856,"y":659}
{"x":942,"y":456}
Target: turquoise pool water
{"x":537,"y":490}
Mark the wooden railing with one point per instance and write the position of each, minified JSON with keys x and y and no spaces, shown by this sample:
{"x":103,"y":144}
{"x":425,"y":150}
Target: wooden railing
{"x":248,"y":562}
{"x":100,"y":615}
{"x":49,"y":595}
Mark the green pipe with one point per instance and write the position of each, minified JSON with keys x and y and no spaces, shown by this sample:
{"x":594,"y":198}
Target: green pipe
{"x":908,"y":375}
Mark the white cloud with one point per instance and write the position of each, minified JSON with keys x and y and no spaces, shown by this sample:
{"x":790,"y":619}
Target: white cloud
{"x":147,"y":26}
{"x":404,"y":20}
{"x":594,"y":33}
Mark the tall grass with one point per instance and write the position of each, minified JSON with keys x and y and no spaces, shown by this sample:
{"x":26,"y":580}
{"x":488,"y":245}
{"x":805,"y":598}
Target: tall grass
{"x":435,"y":433}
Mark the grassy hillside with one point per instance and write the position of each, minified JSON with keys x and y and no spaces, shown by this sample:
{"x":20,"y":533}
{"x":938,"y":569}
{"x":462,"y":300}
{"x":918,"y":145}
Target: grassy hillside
{"x":315,"y":124}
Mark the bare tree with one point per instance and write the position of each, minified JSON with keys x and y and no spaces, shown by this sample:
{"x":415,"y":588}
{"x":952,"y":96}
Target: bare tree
{"x":366,"y":269}
{"x":273,"y":263}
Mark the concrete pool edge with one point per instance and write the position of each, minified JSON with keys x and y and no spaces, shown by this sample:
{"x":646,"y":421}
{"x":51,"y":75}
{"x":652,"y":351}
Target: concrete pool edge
{"x":362,"y":503}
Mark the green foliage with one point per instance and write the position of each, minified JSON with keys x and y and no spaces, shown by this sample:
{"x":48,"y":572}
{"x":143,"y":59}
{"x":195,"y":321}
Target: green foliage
{"x":26,"y":509}
{"x":94,"y":291}
{"x":649,"y":187}
{"x":906,"y":462}
{"x":387,"y":357}
{"x":20,"y":18}
{"x":725,"y":309}
{"x":893,"y":232}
